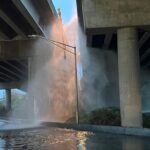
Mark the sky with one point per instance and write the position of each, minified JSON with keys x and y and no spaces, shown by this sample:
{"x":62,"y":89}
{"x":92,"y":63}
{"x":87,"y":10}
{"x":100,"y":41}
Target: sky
{"x":68,"y":7}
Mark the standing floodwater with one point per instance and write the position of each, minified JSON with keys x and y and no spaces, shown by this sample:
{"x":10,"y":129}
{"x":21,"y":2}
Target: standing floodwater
{"x":64,"y":139}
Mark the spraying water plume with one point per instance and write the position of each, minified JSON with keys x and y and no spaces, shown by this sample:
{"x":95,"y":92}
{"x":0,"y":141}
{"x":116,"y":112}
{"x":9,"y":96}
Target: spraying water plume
{"x":97,"y":71}
{"x":51,"y":88}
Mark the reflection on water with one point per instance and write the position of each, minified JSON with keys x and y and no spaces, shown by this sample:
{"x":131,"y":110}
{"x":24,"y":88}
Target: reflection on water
{"x":130,"y":144}
{"x":82,"y":138}
{"x":46,"y":138}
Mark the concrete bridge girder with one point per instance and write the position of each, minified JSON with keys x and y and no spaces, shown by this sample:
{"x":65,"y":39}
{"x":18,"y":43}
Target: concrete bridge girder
{"x":12,"y":24}
{"x":117,"y":14}
{"x":19,"y":19}
{"x":22,"y":49}
{"x":117,"y":22}
{"x":11,"y":85}
{"x":14,"y":51}
{"x":101,"y":18}
{"x":30,"y":20}
{"x":30,"y":13}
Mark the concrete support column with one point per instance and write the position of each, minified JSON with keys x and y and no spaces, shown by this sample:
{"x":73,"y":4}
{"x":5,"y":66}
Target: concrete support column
{"x":29,"y":69}
{"x":129,"y":84}
{"x":8,"y":99}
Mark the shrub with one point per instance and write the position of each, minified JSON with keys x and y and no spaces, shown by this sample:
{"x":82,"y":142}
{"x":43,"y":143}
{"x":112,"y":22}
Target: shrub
{"x":103,"y":116}
{"x":2,"y":109}
{"x":146,"y":120}
{"x":107,"y":116}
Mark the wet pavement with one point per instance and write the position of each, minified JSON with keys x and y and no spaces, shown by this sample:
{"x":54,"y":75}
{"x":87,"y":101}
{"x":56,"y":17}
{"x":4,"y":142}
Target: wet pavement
{"x":11,"y":123}
{"x":64,"y":139}
{"x":47,"y":138}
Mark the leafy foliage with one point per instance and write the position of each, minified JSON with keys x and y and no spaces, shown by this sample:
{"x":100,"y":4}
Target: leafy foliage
{"x":146,"y":120}
{"x":17,"y":99}
{"x":2,"y":109}
{"x":103,"y":116}
{"x":107,"y":116}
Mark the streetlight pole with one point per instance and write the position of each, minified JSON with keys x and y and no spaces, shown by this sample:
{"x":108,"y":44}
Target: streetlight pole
{"x":57,"y":43}
{"x":76,"y":82}
{"x":76,"y":72}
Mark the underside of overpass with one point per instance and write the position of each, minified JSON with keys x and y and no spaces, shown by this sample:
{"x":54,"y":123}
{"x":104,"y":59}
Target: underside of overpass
{"x":106,"y":36}
{"x":13,"y":71}
{"x":19,"y":18}
{"x":123,"y":27}
{"x":108,"y":41}
{"x":20,"y":21}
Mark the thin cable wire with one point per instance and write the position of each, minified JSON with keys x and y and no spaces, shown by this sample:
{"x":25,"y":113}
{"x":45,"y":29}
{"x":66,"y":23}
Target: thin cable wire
{"x":42,"y":37}
{"x":63,"y":48}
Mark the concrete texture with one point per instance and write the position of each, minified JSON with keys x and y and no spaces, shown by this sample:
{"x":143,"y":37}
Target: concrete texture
{"x":101,"y":19}
{"x":18,"y":49}
{"x":21,"y":44}
{"x":33,"y":48}
{"x":119,"y":13}
{"x":129,"y":83}
{"x":99,"y":85}
{"x":31,"y":19}
{"x":10,"y":85}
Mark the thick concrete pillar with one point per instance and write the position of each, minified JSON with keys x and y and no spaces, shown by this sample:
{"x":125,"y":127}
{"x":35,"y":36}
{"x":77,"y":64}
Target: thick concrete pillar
{"x":8,"y":99}
{"x":129,"y":84}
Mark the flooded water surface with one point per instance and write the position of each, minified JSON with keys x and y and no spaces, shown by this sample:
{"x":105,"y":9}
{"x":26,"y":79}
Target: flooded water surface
{"x":65,"y":139}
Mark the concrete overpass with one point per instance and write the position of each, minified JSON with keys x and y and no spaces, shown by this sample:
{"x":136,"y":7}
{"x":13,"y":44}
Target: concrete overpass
{"x":124,"y":27}
{"x":101,"y":31}
{"x":19,"y":20}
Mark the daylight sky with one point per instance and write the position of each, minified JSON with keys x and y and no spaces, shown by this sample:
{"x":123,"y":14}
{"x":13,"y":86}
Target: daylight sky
{"x":68,"y":7}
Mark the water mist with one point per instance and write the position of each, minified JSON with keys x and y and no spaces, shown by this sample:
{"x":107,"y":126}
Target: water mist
{"x":51,"y":85}
{"x":97,"y":72}
{"x":51,"y":88}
